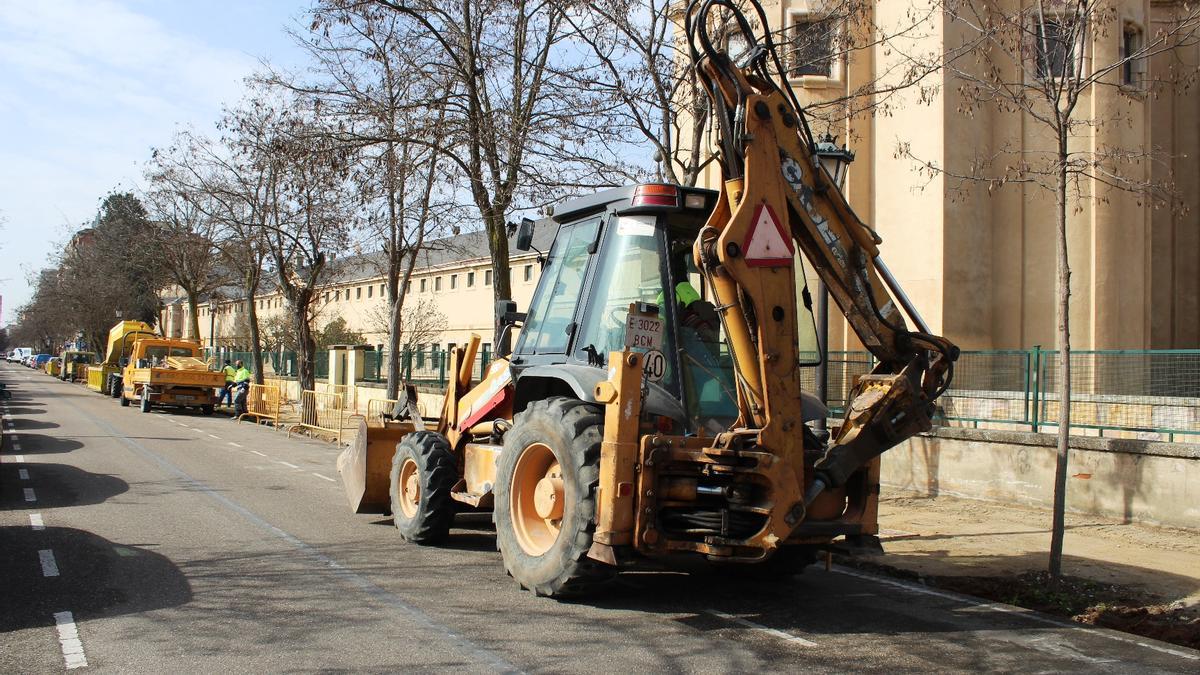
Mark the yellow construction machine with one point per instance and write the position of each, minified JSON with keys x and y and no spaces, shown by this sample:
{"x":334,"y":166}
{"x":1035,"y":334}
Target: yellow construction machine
{"x":105,"y":376}
{"x":651,"y":411}
{"x":166,"y":372}
{"x":74,"y":365}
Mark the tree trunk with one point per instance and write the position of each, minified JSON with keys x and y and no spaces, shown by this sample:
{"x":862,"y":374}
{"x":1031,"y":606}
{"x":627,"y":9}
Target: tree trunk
{"x":193,"y":301}
{"x":1063,"y":316}
{"x":306,"y":344}
{"x":393,"y":347}
{"x":501,"y":287}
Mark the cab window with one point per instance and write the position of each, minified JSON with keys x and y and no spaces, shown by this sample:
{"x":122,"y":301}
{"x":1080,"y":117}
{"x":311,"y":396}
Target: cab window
{"x":553,"y":307}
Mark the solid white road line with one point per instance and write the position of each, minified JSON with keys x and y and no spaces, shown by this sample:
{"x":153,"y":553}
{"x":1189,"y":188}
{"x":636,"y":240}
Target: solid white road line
{"x":1009,"y":609}
{"x":323,"y":477}
{"x":30,"y":496}
{"x":775,"y":632}
{"x":68,"y":637}
{"x":35,"y":521}
{"x":49,"y":566}
{"x":234,"y":444}
{"x":23,"y":473}
{"x":20,"y":458}
{"x":286,"y":464}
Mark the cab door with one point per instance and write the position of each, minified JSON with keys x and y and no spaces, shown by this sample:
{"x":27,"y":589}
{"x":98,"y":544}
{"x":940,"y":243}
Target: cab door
{"x":553,"y":315}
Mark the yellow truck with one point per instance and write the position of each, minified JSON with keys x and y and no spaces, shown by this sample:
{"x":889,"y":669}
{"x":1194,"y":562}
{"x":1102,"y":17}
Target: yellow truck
{"x":168,"y":373}
{"x":74,"y":365}
{"x":105,"y":376}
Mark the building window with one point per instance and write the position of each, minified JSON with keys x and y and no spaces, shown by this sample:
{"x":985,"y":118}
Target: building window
{"x":453,"y":281}
{"x":487,"y":277}
{"x":528,"y":272}
{"x":422,"y":285}
{"x":382,"y":290}
{"x":370,"y":291}
{"x":811,"y":46}
{"x":358,"y":293}
{"x":470,"y":279}
{"x":1133,"y":66}
{"x":1055,"y":53}
{"x":337,"y":295}
{"x":437,"y":284}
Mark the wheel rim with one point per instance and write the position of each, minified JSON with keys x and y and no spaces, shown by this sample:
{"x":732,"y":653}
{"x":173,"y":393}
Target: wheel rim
{"x":409,"y":488}
{"x":536,"y":499}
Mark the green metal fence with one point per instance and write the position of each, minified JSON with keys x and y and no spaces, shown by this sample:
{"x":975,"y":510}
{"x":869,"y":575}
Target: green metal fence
{"x":1155,"y":393}
{"x":425,"y":367}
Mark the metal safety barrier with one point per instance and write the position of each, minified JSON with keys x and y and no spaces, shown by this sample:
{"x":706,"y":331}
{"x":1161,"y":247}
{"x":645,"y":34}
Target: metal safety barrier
{"x":338,"y":390}
{"x":377,"y":408}
{"x":321,"y":412}
{"x":262,"y":404}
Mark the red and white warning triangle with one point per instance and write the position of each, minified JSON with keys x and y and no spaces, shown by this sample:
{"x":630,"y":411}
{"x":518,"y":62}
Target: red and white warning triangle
{"x":767,"y":245}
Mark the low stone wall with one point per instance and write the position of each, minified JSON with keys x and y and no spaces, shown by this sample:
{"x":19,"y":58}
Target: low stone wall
{"x":1131,"y":480}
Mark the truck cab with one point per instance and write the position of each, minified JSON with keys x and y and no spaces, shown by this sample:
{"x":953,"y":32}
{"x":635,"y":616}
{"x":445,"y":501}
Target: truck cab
{"x":168,"y":373}
{"x":633,"y":245}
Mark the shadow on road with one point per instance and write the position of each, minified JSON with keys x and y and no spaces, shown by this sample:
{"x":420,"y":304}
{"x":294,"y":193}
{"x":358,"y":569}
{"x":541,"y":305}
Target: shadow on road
{"x":21,"y":423}
{"x":97,"y":577}
{"x":57,"y":485}
{"x":38,"y":444}
{"x":18,"y":411}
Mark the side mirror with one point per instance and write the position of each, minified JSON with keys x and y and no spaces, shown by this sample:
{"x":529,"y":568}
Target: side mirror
{"x":525,"y":235}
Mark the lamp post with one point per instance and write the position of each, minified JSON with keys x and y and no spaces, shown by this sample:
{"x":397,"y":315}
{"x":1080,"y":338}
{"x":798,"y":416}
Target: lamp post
{"x":836,"y":162}
{"x":212,"y":326}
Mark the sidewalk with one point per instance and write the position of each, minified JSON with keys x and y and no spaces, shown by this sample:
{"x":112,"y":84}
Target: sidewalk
{"x":948,"y":537}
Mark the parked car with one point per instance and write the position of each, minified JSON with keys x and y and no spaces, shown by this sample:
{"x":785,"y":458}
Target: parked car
{"x":39,"y":361}
{"x":16,"y":355}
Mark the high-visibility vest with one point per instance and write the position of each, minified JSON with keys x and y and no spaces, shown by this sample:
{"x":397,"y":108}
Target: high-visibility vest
{"x":229,"y":373}
{"x":241,"y":375}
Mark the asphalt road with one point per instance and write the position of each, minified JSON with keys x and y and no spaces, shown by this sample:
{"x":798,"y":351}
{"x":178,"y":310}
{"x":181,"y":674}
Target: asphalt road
{"x":148,"y":542}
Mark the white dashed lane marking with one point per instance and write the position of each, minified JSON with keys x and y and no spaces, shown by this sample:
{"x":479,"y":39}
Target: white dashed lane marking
{"x":775,"y":632}
{"x":258,"y":453}
{"x":234,"y":444}
{"x":68,"y":638}
{"x":324,"y":477}
{"x":287,"y":464}
{"x":23,"y":473}
{"x":214,"y":436}
{"x":49,"y":565}
{"x":30,"y":495}
{"x":35,"y":521}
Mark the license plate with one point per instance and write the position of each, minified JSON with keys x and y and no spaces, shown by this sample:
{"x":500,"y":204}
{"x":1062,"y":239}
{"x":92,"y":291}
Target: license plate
{"x":185,"y":399}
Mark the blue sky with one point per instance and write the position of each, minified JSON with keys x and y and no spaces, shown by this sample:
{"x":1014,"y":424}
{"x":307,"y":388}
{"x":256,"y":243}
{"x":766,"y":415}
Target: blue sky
{"x":87,"y":87}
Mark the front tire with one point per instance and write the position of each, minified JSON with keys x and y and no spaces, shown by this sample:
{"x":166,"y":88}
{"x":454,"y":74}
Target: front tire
{"x":423,"y":474}
{"x":546,"y":485}
{"x":124,"y":401}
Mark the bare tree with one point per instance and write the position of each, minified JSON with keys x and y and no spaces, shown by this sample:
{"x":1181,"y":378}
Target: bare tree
{"x":362,"y":82}
{"x":234,"y":191}
{"x":307,"y":206}
{"x":1043,"y":60}
{"x":185,"y":231}
{"x":519,"y":130}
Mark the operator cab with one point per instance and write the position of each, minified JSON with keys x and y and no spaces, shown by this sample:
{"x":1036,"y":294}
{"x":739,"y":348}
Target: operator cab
{"x":634,"y":245}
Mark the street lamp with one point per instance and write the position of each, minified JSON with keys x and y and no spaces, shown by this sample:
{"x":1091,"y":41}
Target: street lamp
{"x":835,"y":159}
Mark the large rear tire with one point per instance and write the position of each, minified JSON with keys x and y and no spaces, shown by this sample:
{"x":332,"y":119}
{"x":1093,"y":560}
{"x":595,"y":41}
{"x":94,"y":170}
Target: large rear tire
{"x":423,"y":474}
{"x":545,"y":497}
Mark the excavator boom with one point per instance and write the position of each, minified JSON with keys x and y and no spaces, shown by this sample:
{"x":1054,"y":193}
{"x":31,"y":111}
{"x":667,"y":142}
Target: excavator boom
{"x":773,"y":180}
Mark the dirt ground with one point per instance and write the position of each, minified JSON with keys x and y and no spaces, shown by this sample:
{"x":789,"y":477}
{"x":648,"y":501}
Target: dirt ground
{"x":1126,"y":576}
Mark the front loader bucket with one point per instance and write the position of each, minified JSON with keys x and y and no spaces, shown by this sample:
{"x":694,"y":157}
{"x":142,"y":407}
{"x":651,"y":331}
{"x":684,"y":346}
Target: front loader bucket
{"x":366,"y":466}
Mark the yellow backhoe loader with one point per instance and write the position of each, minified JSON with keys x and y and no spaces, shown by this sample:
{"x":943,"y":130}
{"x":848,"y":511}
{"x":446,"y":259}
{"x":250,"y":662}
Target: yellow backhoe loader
{"x":651,"y":411}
